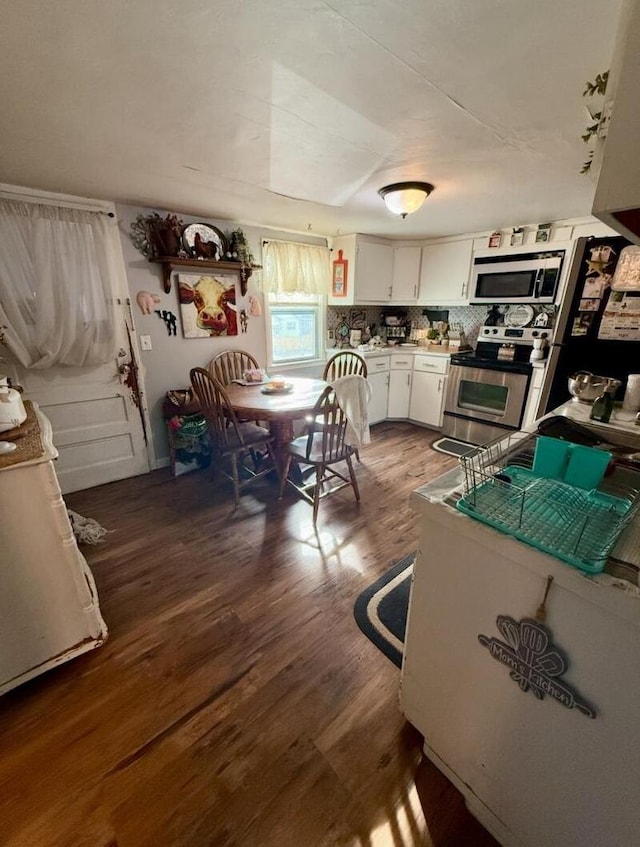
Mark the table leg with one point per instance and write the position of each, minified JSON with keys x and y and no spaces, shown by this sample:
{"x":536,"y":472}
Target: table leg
{"x":282,"y":432}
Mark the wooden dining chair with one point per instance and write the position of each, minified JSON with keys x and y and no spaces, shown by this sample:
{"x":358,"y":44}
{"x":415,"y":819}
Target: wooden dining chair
{"x":344,"y":363}
{"x":231,"y":364}
{"x":322,"y":447}
{"x":232,"y":440}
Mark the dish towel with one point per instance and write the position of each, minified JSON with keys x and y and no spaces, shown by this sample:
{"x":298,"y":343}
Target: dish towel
{"x":353,"y":394}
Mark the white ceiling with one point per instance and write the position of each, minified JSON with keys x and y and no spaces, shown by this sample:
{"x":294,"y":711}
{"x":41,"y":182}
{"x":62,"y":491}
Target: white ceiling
{"x":292,"y":113}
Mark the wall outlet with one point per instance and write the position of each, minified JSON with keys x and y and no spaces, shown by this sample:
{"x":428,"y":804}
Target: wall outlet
{"x":145,"y":342}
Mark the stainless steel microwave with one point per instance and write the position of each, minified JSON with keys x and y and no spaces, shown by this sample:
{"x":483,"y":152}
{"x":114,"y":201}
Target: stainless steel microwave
{"x":517,"y":278}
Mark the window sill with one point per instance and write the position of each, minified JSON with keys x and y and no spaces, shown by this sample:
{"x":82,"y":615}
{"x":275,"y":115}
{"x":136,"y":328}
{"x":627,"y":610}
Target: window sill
{"x":295,"y":366}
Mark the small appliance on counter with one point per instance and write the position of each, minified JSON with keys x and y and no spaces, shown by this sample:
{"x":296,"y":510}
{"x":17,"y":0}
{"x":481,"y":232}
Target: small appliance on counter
{"x":587,"y":387}
{"x":396,"y":328}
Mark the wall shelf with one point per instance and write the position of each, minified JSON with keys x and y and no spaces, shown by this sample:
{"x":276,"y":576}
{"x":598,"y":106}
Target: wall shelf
{"x":173,"y":263}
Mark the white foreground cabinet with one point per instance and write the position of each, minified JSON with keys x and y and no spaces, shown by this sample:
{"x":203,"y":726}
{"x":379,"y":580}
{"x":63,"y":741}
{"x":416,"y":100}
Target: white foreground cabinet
{"x":49,"y":609}
{"x":537,"y":771}
{"x":444,"y":273}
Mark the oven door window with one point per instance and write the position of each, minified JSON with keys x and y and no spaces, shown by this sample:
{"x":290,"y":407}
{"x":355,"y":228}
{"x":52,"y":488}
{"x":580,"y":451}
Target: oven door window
{"x":483,"y":397}
{"x":501,"y":284}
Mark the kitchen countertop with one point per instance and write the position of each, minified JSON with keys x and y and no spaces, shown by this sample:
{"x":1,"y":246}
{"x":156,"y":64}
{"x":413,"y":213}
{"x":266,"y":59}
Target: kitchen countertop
{"x":431,"y":349}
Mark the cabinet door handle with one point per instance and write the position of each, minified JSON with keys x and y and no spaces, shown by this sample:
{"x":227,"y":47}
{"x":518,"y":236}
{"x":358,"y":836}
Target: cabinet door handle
{"x":390,"y":290}
{"x":408,"y":379}
{"x":463,"y":290}
{"x":439,"y":384}
{"x":415,"y":292}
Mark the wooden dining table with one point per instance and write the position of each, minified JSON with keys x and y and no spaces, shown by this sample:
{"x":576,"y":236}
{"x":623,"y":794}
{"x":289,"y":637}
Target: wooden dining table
{"x":279,"y":409}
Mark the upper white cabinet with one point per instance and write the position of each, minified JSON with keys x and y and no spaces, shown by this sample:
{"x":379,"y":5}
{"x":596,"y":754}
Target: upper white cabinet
{"x":406,"y":274}
{"x":369,"y":270}
{"x":444,"y":273}
{"x":617,"y":199}
{"x":374,"y":272}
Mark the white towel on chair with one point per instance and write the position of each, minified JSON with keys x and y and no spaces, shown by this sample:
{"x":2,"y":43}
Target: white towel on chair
{"x":353,"y":394}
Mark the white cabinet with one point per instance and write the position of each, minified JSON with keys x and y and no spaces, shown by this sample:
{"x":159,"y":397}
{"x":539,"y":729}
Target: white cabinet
{"x":48,"y":603}
{"x":400,"y":380}
{"x":374,"y":272}
{"x":444,"y":273}
{"x":378,"y":376}
{"x":428,"y":392}
{"x":369,"y":270}
{"x":406,"y":274}
{"x":617,"y":198}
{"x":380,"y":397}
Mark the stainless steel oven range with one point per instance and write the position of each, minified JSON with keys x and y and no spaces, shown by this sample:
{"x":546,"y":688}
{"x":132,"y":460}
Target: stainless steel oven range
{"x":487,"y":390}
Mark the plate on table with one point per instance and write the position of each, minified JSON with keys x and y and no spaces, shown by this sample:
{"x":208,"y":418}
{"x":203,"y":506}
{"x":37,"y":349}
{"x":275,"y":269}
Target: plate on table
{"x":276,"y":389}
{"x":519,"y":316}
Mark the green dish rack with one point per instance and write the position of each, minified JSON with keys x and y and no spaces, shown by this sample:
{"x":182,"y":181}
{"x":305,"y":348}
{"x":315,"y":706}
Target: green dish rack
{"x":513,"y":486}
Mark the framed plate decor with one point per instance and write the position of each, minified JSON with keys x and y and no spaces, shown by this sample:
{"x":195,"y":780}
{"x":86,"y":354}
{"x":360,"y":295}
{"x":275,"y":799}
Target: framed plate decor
{"x":519,"y":316}
{"x":203,"y":241}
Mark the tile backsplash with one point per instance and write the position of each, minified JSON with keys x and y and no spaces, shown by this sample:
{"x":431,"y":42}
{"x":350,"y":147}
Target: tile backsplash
{"x":471,"y":317}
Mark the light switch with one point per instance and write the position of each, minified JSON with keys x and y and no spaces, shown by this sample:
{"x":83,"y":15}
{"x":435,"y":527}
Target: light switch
{"x":145,"y":342}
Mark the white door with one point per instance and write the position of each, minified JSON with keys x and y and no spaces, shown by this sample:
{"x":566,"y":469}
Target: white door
{"x":426,"y":398}
{"x":97,"y":425}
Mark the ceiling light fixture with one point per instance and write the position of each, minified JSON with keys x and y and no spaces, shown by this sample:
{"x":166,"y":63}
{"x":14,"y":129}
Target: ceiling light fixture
{"x":403,"y":198}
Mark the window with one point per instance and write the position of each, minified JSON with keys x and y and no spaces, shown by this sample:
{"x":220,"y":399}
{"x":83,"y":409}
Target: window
{"x":297,"y":327}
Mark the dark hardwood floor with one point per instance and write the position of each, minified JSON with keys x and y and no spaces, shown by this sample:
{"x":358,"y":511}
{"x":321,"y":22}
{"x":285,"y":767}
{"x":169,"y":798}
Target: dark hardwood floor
{"x":236,"y":702}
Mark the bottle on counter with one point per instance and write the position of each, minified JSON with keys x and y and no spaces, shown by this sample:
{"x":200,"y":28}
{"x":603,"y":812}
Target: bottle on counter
{"x":602,"y":407}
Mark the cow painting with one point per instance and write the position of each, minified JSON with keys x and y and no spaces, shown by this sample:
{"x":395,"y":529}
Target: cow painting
{"x":208,"y":305}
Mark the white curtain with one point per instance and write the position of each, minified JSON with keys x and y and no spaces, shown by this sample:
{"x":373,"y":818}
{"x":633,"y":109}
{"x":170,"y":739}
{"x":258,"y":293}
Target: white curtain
{"x":290,"y":268}
{"x":58,"y":272}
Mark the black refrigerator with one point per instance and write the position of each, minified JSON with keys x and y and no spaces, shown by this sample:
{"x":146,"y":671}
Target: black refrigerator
{"x":598,"y":325}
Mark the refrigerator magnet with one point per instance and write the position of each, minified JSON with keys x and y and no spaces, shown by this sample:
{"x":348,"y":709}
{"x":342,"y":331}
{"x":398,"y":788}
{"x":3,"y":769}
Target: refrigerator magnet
{"x":543,"y":233}
{"x":517,"y":237}
{"x":594,"y":287}
{"x":590,"y":305}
